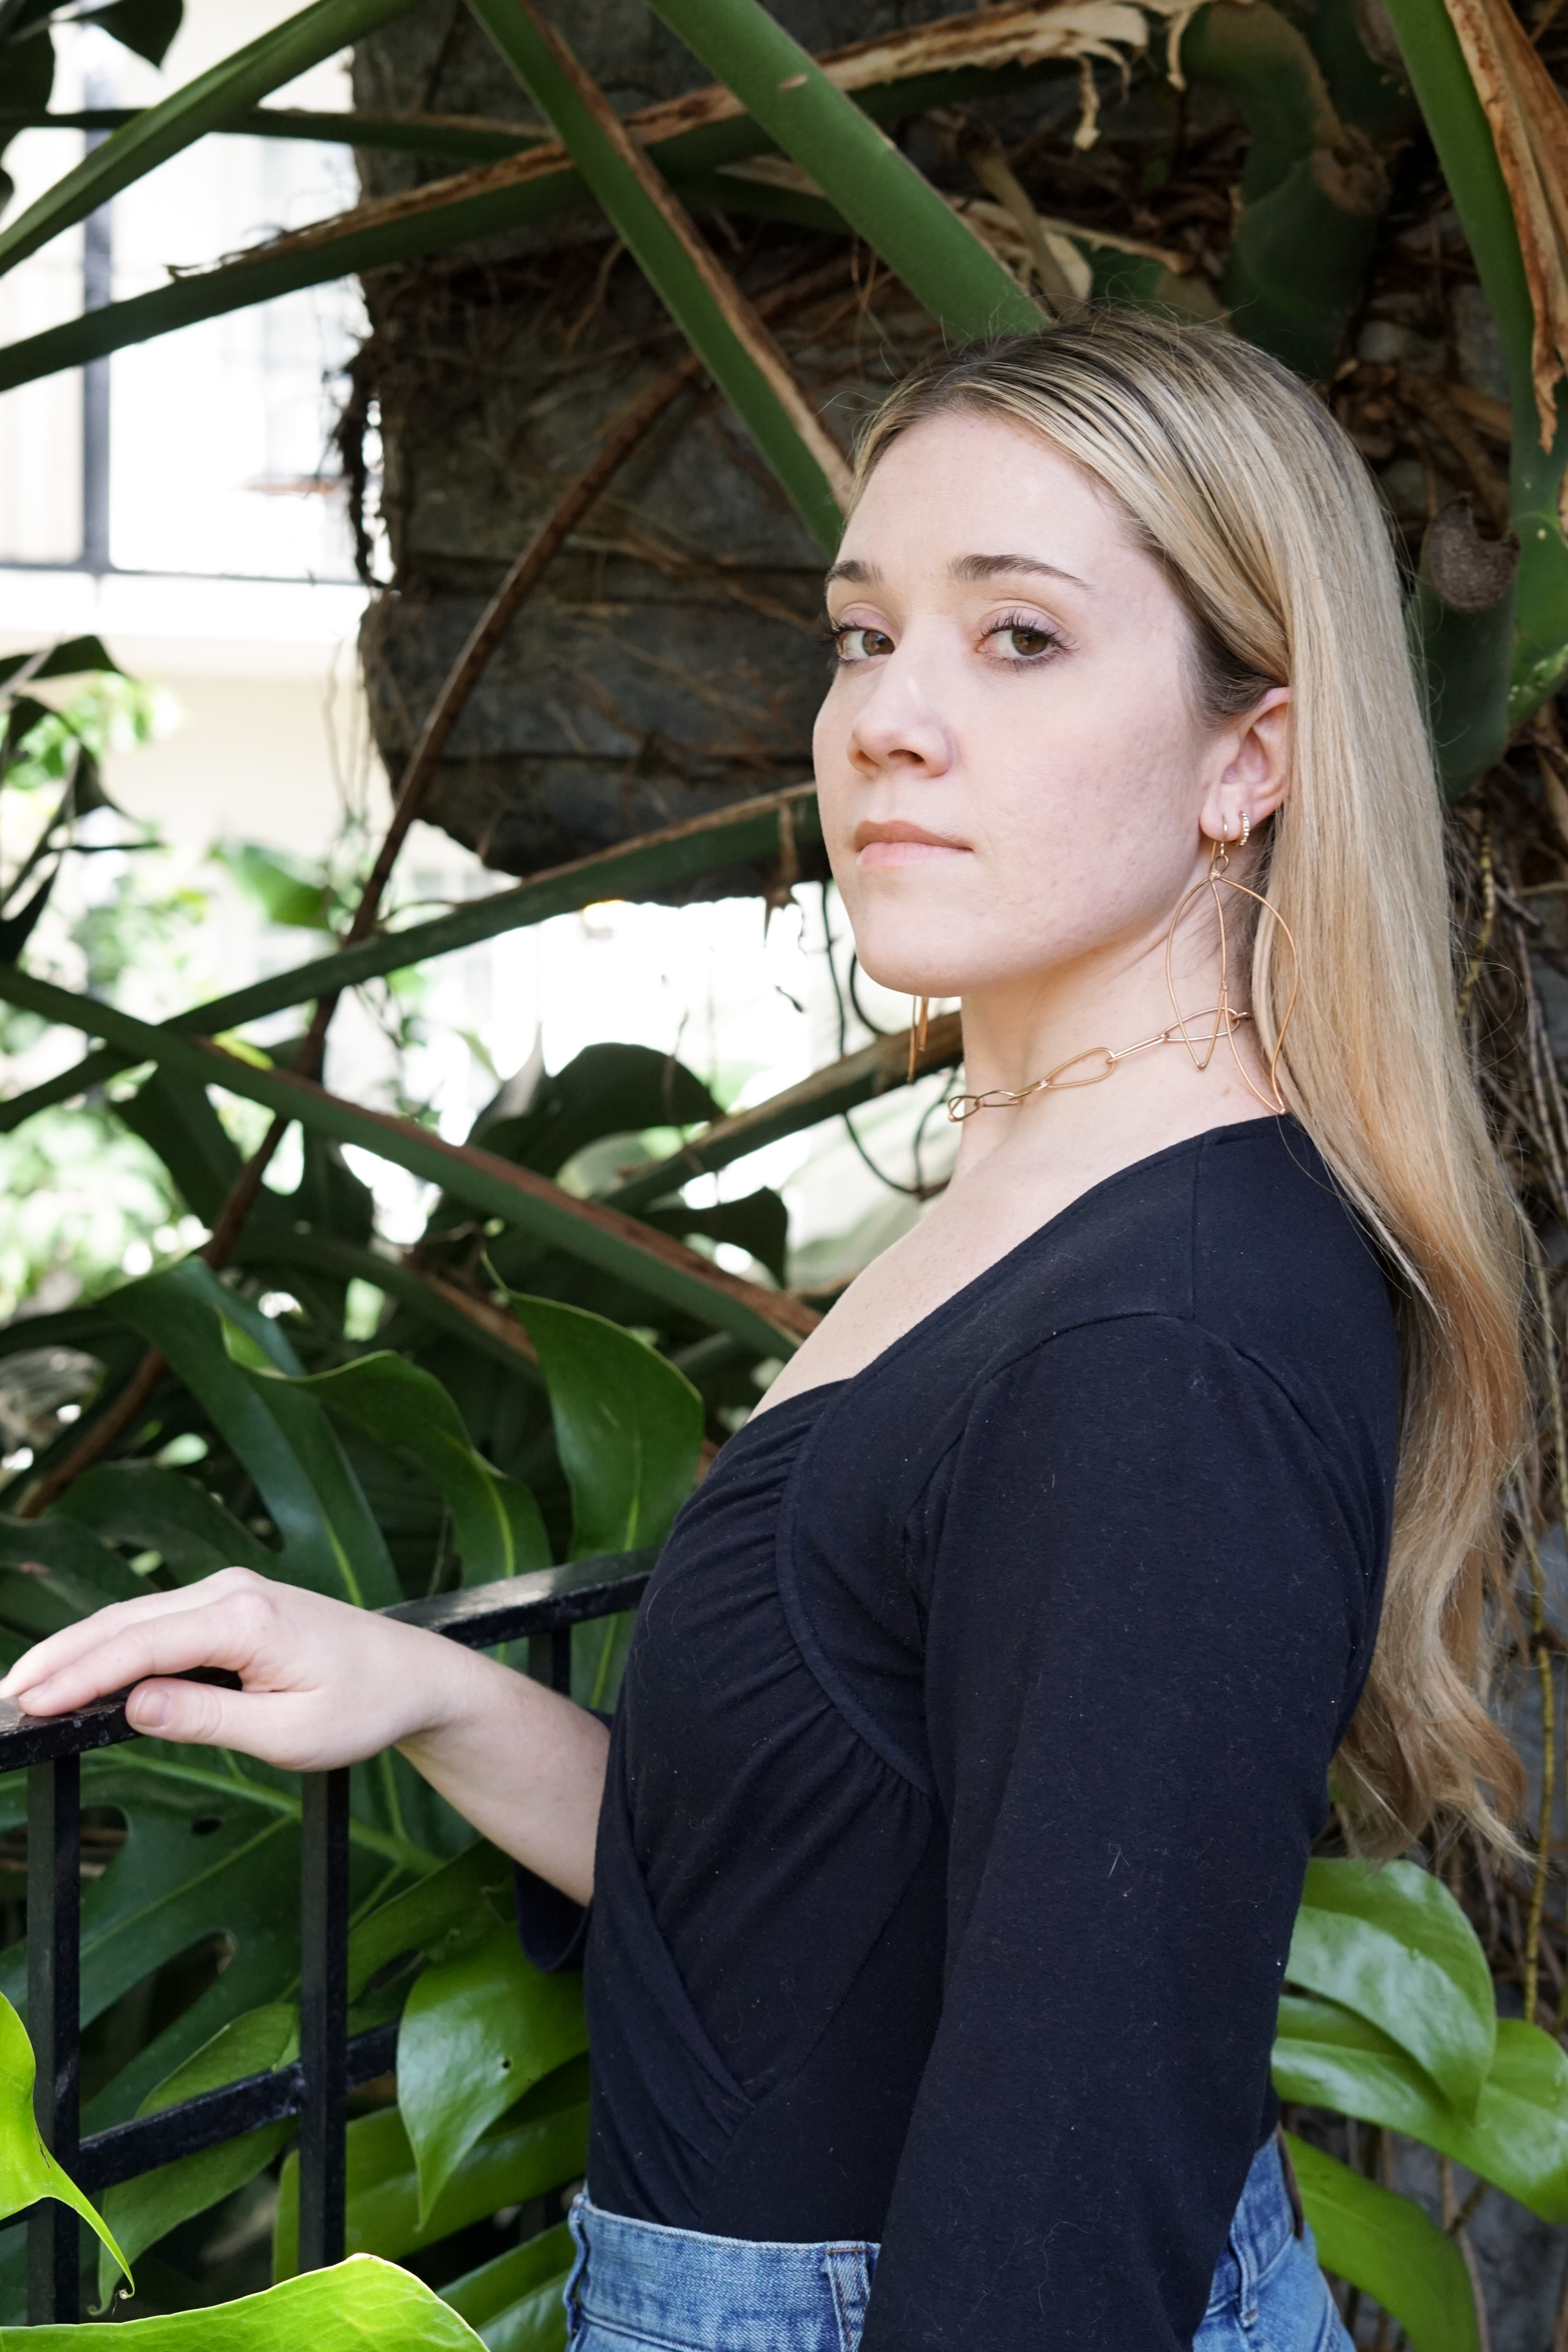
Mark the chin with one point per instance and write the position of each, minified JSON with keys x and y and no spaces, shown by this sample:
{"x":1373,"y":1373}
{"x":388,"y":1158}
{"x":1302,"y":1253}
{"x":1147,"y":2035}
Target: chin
{"x":910,"y":975}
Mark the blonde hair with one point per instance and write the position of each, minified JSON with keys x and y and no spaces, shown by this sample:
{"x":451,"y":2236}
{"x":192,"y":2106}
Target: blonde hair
{"x":1271,"y":531}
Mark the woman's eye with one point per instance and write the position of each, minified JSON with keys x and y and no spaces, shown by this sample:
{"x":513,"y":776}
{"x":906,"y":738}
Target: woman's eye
{"x":856,"y":643}
{"x":1022,"y":640}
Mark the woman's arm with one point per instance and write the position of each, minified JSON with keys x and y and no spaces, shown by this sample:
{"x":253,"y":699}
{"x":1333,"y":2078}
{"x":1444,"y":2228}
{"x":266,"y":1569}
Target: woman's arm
{"x":324,"y":1684}
{"x":1150,"y":1591}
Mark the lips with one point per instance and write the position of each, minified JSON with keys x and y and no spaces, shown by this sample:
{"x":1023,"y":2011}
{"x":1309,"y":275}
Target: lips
{"x":898,"y":843}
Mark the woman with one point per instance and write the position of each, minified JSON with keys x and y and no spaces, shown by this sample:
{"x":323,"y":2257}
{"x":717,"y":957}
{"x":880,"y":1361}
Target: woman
{"x":979,"y":1717}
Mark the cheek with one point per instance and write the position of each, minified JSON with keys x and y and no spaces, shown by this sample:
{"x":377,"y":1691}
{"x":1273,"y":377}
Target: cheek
{"x":830,"y":762}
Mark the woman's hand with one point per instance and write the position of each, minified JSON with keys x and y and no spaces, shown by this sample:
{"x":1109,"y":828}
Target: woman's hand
{"x":324,"y":1684}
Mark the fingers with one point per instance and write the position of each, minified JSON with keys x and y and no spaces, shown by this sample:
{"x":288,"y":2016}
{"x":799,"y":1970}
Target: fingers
{"x":276,"y":1725}
{"x":74,"y":1644}
{"x":324,"y":1682}
{"x":132,"y":1639}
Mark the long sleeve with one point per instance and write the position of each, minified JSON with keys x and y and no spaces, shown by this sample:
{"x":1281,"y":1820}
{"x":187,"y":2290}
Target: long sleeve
{"x":1151,"y":1586}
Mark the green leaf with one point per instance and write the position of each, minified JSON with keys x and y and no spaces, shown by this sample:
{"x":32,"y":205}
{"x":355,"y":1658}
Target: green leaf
{"x":29,"y":77}
{"x":515,"y":2302}
{"x":642,"y":868}
{"x":1394,"y":1947}
{"x":287,"y":890}
{"x":327,"y":1537}
{"x":212,"y":1850}
{"x":495,"y":1522}
{"x":1326,"y":2057}
{"x":609,"y":1089}
{"x":28,"y":2170}
{"x":364,"y":1573}
{"x":478,"y":2032}
{"x":440,"y":1916}
{"x":142,"y":2210}
{"x":540,"y":2145}
{"x":876,"y":1069}
{"x":360,"y":2306}
{"x":876,"y":189}
{"x":1456,"y":123}
{"x":146,"y":26}
{"x":582,"y":1228}
{"x":1387,"y":2247}
{"x":155,"y":1509}
{"x":205,"y":1854}
{"x":628,"y":1426}
{"x":758,"y":1221}
{"x":175,"y":1119}
{"x":52,"y":1572}
{"x":734,"y":345}
{"x":72,"y":657}
{"x":201,"y":105}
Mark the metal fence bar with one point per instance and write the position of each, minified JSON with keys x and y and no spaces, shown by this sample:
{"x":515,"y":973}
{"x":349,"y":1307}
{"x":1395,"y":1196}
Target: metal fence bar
{"x":324,"y":2018}
{"x":126,"y":2149}
{"x":541,"y":1607}
{"x":549,"y":1659}
{"x":54,"y":2010}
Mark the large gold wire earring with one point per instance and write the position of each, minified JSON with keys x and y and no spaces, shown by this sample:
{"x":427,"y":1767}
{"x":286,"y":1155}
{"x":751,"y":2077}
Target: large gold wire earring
{"x":1225,"y":1018}
{"x":919,"y":1021}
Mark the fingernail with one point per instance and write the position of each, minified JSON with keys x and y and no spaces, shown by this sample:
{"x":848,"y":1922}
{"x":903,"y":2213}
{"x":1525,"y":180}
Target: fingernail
{"x":149,"y":1710}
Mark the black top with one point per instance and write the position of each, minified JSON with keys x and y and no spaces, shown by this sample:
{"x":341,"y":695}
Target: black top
{"x":973,"y":1737}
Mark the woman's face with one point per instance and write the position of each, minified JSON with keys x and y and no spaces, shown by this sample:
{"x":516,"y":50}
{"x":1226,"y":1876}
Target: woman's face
{"x":1012,"y":777}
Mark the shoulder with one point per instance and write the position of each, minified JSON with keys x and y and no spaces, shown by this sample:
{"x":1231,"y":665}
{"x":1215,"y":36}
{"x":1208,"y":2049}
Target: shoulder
{"x":1240,"y":1234}
{"x":1225,"y":1279}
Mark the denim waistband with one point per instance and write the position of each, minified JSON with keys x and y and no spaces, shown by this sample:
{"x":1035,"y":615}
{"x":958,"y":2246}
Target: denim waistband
{"x":681,"y":2288}
{"x":649,"y":2285}
{"x":1268,"y":2220}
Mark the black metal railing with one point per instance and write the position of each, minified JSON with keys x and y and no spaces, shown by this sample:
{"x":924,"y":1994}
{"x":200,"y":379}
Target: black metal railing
{"x":542,"y":1608}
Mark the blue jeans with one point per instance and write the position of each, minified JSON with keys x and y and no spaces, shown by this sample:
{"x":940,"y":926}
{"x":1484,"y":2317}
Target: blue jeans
{"x":639,"y":2287}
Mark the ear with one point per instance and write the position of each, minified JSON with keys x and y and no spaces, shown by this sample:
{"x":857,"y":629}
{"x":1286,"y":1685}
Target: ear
{"x":1253,"y":760}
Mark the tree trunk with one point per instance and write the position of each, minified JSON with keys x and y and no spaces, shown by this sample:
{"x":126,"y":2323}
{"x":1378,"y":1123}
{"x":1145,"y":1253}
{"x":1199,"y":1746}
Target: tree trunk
{"x":671,"y":659}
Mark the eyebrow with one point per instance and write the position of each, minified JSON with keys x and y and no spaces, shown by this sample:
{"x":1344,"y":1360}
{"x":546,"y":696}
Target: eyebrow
{"x":969,"y":568}
{"x":991,"y":567}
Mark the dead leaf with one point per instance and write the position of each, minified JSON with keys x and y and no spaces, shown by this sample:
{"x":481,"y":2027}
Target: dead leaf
{"x":1528,"y":121}
{"x":1109,"y":32}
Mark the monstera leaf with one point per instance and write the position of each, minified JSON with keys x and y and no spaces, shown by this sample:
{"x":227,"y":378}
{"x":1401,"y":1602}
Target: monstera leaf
{"x":223,"y":1349}
{"x":205,"y":1856}
{"x":495,"y":1521}
{"x":142,"y":2210}
{"x":156,"y":1509}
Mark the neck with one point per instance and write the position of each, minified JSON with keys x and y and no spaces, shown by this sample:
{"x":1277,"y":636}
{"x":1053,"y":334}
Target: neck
{"x":1017,"y":1032}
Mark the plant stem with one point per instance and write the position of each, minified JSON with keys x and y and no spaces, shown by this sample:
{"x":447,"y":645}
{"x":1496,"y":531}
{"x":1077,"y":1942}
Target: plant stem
{"x":629,"y":429}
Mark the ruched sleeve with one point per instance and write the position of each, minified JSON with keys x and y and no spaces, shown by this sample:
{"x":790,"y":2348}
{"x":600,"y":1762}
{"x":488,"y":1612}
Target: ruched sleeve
{"x":1147,"y":1577}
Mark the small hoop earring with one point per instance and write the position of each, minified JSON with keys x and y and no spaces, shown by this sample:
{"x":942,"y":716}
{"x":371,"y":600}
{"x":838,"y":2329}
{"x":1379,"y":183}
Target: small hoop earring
{"x":919,"y":1021}
{"x":1225,"y":1017}
{"x":1246,"y":830}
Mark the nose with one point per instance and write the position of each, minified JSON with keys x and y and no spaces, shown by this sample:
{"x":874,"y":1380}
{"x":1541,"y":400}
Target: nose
{"x":897,"y":725}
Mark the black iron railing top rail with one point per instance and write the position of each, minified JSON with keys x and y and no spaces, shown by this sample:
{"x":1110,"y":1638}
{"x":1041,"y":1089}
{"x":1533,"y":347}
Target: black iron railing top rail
{"x":541,"y":1607}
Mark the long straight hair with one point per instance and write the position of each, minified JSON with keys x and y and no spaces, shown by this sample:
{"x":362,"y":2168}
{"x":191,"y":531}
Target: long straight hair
{"x":1267,"y":523}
